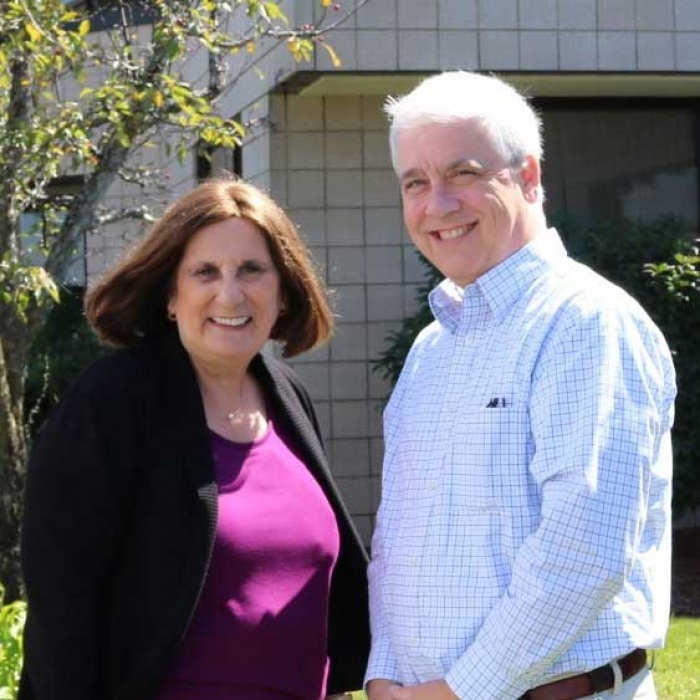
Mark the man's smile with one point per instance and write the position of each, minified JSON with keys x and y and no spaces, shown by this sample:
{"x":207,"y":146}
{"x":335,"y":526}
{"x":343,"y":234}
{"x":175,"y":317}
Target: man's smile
{"x":452,"y":233}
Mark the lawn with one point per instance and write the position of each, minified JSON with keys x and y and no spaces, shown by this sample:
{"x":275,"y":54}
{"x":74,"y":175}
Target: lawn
{"x":677,"y":666}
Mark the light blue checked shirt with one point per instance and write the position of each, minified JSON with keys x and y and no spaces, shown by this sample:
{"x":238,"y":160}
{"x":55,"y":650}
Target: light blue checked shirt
{"x":525,"y":523}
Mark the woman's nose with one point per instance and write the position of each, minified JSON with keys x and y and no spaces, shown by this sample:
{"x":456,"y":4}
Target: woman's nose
{"x":231,"y":289}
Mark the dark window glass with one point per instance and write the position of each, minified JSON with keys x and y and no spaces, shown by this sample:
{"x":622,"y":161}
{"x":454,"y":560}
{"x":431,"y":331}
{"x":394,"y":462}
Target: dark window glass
{"x":211,"y":160}
{"x":110,"y":14}
{"x":34,"y":224}
{"x":622,"y":164}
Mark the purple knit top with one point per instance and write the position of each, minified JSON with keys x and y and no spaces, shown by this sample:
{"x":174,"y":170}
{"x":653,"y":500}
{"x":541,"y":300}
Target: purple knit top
{"x":260,"y":629}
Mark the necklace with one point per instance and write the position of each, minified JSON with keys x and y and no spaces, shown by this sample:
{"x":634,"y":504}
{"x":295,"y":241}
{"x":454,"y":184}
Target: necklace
{"x":239,"y":416}
{"x":234,"y":416}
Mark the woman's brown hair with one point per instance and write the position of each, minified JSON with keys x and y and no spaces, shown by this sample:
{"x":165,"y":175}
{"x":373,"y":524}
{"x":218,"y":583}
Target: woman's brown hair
{"x":129,"y":302}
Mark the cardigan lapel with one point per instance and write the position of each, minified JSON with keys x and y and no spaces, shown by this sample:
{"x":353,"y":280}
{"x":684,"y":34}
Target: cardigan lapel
{"x":279,"y":386}
{"x":181,"y":402}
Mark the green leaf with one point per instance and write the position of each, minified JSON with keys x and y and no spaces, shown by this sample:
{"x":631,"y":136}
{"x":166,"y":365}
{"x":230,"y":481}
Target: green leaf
{"x":34,"y":33}
{"x":274,"y":11}
{"x":172,"y":49}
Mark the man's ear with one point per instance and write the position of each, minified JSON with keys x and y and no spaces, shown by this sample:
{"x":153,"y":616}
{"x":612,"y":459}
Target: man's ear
{"x":530,"y":178}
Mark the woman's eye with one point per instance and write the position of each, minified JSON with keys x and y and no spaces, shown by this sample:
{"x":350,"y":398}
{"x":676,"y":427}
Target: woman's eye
{"x":206,"y":271}
{"x":251,"y":268}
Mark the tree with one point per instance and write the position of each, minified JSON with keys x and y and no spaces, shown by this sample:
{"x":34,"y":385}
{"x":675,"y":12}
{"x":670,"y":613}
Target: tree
{"x":50,"y":49}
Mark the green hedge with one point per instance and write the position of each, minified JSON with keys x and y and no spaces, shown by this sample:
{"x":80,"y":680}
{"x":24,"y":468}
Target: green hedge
{"x":64,"y":347}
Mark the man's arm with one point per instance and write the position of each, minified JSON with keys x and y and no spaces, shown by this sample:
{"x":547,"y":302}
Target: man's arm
{"x":382,"y":666}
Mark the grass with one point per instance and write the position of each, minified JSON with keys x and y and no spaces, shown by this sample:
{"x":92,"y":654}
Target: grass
{"x":677,"y":666}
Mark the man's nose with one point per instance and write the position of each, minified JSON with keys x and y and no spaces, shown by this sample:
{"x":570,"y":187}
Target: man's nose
{"x":441,"y":201}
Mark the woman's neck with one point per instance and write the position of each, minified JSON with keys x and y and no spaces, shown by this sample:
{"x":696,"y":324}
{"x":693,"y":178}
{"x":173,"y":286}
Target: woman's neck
{"x":234,"y":404}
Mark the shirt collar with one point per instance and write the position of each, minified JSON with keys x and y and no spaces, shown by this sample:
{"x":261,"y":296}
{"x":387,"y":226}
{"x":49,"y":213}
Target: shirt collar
{"x":492,"y":294}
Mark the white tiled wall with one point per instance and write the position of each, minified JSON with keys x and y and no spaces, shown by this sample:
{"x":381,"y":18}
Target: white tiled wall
{"x":511,"y":35}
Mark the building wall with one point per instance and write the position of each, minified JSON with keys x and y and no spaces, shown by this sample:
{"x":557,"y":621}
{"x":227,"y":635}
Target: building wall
{"x":556,"y":35}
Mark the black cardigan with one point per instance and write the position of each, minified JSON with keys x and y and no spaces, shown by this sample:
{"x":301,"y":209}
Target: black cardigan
{"x":119,"y":524}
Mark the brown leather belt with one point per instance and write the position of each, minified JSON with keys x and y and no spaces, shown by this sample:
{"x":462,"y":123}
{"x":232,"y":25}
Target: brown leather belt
{"x":595,"y":681}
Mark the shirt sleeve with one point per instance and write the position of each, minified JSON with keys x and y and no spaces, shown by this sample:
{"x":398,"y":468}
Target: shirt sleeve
{"x":382,"y":660}
{"x":382,"y":663}
{"x":601,"y":408}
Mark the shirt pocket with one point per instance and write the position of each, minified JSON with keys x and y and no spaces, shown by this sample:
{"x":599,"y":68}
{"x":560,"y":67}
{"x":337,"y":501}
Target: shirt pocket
{"x":489,"y":461}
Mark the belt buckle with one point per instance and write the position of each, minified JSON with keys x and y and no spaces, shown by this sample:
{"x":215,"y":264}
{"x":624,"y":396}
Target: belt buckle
{"x":602,"y":678}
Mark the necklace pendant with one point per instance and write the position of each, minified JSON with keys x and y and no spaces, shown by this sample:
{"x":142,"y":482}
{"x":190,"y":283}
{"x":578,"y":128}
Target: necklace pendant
{"x":233,"y":416}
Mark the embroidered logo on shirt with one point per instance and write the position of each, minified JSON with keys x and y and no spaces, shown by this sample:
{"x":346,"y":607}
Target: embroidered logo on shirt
{"x":496,"y":403}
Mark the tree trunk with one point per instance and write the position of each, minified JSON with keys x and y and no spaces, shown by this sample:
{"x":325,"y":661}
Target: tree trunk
{"x":13,"y":447}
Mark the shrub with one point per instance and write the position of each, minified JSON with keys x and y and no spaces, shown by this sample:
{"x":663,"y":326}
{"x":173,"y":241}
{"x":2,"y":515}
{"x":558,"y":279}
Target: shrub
{"x":63,"y":348}
{"x":657,"y":264}
{"x":12,"y":619}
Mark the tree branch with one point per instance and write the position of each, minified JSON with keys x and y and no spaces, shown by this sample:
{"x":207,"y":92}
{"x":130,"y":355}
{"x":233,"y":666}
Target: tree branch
{"x":141,"y":213}
{"x":17,"y":116}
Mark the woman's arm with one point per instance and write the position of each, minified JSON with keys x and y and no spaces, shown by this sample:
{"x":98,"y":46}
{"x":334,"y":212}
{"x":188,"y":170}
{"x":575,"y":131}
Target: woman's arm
{"x":76,"y":501}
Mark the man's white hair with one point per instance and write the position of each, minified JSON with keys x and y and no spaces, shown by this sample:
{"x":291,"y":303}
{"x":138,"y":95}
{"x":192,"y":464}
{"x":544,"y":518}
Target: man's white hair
{"x":509,"y":121}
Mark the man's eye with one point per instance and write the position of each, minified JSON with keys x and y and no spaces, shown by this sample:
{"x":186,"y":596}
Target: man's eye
{"x":412,"y":184}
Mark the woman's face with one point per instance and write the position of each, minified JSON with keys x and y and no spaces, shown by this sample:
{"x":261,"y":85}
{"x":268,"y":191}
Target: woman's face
{"x":227,"y":294}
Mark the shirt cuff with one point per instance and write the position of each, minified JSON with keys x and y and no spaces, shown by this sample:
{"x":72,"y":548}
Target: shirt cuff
{"x":381,"y":663}
{"x":476,"y":675}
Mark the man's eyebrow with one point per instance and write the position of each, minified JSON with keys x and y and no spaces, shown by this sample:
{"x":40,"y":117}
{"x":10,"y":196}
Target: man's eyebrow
{"x":461,"y":162}
{"x":411,"y":172}
{"x":452,"y":165}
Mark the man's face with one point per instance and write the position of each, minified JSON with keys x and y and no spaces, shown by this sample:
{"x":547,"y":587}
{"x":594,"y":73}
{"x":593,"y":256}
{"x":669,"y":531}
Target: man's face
{"x":465,"y":209}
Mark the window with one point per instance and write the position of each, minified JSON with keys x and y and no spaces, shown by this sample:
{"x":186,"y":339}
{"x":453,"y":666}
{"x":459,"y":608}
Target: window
{"x":613,"y":161}
{"x":211,"y":160}
{"x":34,"y":225}
{"x":107,"y":14}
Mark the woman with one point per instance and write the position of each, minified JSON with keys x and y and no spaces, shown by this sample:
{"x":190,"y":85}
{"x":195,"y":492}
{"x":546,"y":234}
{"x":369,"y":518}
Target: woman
{"x":182,"y":536}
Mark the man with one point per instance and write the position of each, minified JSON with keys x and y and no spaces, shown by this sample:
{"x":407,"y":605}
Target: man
{"x":522,"y":547}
